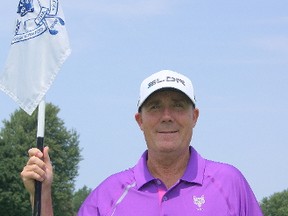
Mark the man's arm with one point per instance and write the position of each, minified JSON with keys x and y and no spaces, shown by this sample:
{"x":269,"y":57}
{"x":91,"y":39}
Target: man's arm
{"x":39,"y":168}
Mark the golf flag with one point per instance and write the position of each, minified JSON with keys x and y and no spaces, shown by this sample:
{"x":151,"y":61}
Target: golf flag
{"x":39,"y":47}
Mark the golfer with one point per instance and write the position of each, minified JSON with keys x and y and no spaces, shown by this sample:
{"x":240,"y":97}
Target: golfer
{"x":171,"y":178}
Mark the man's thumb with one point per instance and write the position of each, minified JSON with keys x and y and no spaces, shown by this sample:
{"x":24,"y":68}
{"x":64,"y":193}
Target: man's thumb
{"x":46,"y":155}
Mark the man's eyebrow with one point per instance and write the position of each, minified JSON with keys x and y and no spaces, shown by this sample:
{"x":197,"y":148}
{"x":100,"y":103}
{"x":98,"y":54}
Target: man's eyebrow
{"x":152,"y":101}
{"x":180,"y":99}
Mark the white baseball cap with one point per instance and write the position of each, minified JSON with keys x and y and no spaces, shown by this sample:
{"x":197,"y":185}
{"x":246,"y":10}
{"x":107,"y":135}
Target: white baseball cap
{"x":165,"y":79}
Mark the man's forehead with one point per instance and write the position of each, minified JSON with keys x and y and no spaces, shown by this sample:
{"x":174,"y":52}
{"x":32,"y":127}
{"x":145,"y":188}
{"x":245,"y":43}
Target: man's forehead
{"x":173,"y":94}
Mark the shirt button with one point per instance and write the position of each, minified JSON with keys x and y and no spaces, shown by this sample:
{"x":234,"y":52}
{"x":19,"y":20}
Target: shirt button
{"x":158,"y":182}
{"x":165,"y":198}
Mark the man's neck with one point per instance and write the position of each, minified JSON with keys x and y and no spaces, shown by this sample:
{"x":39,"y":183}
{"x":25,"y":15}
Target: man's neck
{"x":168,"y":168}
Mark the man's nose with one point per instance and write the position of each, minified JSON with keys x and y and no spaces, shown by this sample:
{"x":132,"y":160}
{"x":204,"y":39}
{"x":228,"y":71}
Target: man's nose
{"x":167,"y":114}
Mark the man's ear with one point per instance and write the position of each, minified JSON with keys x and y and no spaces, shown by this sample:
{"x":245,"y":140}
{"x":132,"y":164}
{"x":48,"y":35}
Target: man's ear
{"x":138,"y":118}
{"x":195,"y":116}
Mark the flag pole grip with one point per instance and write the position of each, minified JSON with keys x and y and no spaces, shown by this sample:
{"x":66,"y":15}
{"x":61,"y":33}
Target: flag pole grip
{"x":40,"y":146}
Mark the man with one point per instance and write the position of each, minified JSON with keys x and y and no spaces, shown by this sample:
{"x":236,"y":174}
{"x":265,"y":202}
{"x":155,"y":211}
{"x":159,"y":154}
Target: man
{"x":170,"y":178}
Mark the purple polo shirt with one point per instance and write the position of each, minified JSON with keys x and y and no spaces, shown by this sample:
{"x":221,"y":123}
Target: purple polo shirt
{"x":207,"y":188}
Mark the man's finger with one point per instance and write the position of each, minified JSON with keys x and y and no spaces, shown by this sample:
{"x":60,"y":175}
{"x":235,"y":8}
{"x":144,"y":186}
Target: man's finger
{"x":35,"y":152}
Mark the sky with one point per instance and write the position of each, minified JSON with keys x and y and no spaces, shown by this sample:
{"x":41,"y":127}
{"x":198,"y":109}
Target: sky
{"x":235,"y":53}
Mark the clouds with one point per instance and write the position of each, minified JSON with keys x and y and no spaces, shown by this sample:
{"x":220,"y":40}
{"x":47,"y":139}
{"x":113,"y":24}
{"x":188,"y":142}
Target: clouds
{"x":273,"y":20}
{"x":274,"y":34}
{"x":272,"y":43}
{"x":127,"y":8}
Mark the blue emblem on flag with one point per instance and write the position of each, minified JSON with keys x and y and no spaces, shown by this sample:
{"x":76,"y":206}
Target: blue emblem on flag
{"x":25,"y":6}
{"x":36,"y":19}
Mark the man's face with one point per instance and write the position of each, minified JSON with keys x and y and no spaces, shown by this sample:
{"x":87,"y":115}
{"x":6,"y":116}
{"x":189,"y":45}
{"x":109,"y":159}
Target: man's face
{"x":167,"y":119}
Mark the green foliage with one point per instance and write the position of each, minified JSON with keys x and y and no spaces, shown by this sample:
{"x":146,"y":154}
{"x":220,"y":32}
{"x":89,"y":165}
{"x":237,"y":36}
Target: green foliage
{"x":276,"y":205}
{"x":79,"y":197}
{"x":16,"y":137}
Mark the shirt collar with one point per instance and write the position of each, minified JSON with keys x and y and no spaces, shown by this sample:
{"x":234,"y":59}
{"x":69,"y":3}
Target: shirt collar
{"x":141,"y":172}
{"x":195,"y":169}
{"x":194,"y":172}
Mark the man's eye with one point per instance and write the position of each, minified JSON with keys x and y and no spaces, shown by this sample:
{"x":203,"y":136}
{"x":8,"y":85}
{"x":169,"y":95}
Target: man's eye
{"x":178,"y":105}
{"x":154,"y":107}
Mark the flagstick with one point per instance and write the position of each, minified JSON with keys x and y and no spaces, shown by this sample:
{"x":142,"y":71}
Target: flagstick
{"x":40,"y":145}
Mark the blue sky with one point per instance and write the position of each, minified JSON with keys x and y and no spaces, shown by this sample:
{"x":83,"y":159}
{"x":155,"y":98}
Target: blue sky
{"x":235,"y":53}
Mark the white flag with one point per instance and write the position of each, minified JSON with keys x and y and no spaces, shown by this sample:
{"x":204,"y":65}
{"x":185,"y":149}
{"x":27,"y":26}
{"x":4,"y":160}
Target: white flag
{"x":38,"y":49}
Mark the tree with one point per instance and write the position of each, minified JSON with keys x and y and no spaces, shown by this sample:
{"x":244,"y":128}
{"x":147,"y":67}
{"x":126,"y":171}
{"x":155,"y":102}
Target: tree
{"x":80,"y":196}
{"x":16,"y":137}
{"x":277,"y":204}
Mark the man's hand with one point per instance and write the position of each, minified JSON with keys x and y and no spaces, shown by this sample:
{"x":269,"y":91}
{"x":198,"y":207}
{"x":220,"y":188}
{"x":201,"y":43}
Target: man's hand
{"x":37,"y":168}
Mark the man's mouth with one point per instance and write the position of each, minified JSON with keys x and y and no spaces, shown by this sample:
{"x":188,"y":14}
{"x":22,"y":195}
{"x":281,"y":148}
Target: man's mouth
{"x":167,"y":132}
